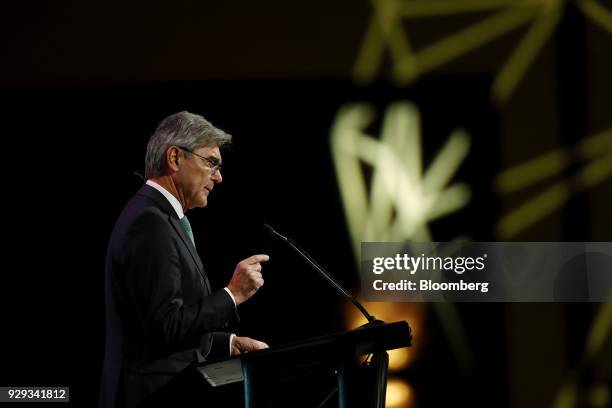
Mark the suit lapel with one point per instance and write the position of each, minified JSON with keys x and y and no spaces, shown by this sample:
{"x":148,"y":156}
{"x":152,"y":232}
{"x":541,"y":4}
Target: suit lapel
{"x":166,"y":207}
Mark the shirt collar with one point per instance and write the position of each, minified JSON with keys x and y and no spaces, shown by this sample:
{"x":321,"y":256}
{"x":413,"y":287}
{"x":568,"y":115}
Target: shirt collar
{"x":171,"y":199}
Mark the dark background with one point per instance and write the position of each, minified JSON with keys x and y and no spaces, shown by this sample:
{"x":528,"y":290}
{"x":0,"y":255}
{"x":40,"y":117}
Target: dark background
{"x":85,"y":85}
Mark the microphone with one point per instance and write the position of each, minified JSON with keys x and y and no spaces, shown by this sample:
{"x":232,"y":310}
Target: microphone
{"x":325,"y":275}
{"x":274,"y":233}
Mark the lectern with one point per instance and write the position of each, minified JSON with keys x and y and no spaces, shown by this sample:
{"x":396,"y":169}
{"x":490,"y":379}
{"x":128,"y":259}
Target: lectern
{"x":263,"y":372}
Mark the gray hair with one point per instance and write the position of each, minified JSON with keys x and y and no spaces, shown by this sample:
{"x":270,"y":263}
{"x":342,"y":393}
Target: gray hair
{"x":182,"y":129}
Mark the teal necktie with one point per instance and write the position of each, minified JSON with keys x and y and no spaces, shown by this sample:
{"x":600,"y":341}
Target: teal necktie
{"x":187,"y":227}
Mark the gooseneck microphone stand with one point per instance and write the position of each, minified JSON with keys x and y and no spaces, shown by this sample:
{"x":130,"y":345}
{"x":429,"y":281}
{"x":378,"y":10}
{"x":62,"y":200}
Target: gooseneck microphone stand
{"x":374,"y":372}
{"x":325,"y":275}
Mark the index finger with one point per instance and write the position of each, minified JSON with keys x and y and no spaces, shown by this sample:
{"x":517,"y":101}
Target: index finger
{"x":257,"y":258}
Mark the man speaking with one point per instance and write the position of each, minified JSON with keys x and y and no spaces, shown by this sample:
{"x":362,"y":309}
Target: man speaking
{"x":161,"y":314}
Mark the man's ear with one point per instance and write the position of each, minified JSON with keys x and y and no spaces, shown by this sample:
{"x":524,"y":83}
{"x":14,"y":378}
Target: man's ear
{"x":173,"y":158}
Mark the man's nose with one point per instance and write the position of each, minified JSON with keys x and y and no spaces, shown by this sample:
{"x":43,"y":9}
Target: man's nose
{"x":217,"y":177}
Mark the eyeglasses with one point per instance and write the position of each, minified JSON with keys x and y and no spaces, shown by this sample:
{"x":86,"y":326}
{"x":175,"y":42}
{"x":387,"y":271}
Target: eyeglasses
{"x":212,"y":162}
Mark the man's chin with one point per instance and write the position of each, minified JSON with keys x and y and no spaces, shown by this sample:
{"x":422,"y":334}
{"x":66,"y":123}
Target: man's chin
{"x":203,"y":200}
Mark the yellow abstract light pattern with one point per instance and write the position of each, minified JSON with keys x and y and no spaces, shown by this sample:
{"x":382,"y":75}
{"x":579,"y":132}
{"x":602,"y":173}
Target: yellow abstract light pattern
{"x":600,"y":331}
{"x":400,"y":198}
{"x":595,"y":150}
{"x":387,"y":33}
{"x":595,"y":362}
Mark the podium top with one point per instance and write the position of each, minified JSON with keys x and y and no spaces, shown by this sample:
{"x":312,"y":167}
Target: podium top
{"x":328,"y":350}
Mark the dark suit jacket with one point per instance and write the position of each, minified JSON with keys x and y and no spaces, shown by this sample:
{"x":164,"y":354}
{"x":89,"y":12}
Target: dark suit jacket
{"x":160,"y":310}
